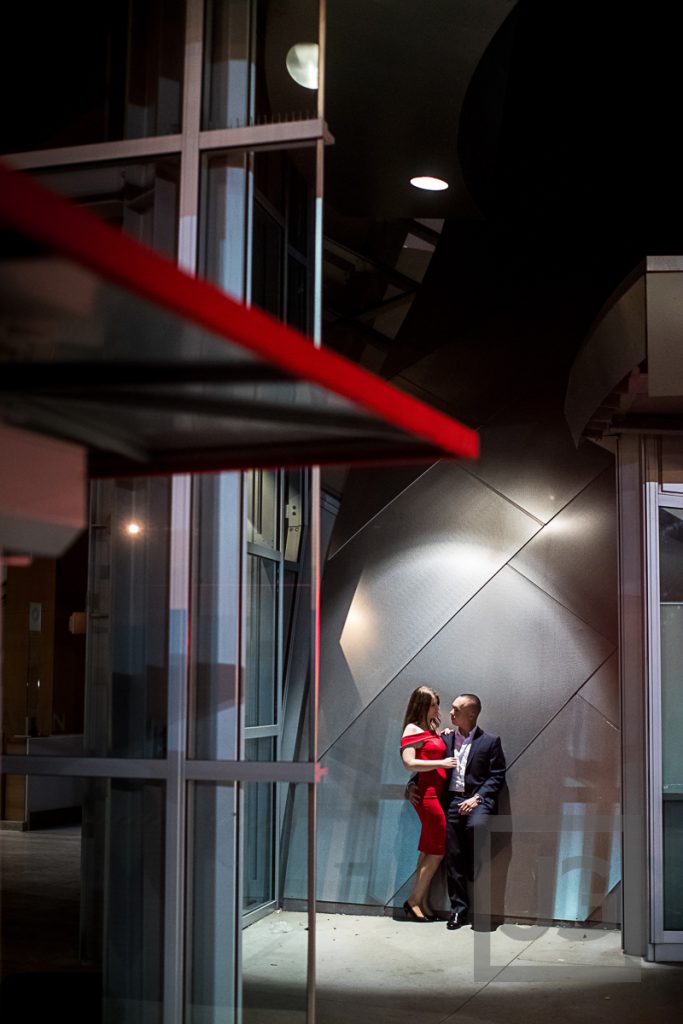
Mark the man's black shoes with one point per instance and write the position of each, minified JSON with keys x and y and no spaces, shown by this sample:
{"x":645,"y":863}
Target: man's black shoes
{"x":456,"y":919}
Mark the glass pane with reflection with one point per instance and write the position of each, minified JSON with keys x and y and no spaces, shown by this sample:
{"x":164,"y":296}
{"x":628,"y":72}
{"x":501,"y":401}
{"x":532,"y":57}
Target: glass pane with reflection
{"x":216,"y":580}
{"x":262,"y":697}
{"x":671,"y":624}
{"x":139,"y":198}
{"x":127,"y":657}
{"x":82,"y":902}
{"x":260,"y":62}
{"x":273,"y":943}
{"x":275,"y":939}
{"x":124,"y":83}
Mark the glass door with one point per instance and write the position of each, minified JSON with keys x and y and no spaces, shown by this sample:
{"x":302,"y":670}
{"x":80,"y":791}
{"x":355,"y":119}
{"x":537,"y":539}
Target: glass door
{"x":670,"y":888}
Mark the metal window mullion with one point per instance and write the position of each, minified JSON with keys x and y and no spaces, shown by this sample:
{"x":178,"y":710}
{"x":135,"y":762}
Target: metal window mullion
{"x":238,"y":834}
{"x":176,"y":802}
{"x":84,"y":767}
{"x":656,"y":498}
{"x":261,"y":551}
{"x":314,"y":540}
{"x":191,"y":123}
{"x":654,"y":701}
{"x":95,"y":152}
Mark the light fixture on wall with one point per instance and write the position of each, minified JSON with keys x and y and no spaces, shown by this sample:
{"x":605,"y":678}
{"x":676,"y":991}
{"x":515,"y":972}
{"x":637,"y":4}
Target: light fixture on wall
{"x":428,"y":183}
{"x":302,"y":64}
{"x":133,"y":529}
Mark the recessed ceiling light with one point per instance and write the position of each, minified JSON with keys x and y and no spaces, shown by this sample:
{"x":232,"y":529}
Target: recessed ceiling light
{"x":302,"y":64}
{"x":429,"y":183}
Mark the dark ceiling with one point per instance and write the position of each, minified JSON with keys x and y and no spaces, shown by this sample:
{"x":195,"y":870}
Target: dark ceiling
{"x":534,"y":112}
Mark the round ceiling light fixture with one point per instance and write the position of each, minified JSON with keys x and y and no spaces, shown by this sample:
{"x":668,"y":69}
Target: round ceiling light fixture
{"x":302,"y":64}
{"x":429,"y":184}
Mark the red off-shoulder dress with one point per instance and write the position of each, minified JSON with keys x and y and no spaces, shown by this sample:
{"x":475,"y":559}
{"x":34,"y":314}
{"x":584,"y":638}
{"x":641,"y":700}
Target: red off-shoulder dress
{"x":430,"y":785}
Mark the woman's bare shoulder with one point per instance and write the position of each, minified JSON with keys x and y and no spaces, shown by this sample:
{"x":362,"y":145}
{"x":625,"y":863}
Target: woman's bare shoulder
{"x":412,"y":730}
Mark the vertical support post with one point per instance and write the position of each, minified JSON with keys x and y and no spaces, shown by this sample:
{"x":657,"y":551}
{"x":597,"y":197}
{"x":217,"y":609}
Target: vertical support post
{"x":634,"y":689}
{"x":189,"y":154}
{"x":315,"y":535}
{"x":176,"y":797}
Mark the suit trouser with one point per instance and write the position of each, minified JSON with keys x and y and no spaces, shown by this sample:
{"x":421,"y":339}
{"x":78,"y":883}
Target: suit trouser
{"x":460,"y":849}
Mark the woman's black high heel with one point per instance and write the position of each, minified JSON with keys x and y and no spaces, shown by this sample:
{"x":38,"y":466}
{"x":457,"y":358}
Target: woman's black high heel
{"x":411,"y":915}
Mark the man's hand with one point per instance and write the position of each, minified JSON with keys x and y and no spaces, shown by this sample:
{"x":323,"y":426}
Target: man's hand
{"x":467,"y":806}
{"x":411,"y":793}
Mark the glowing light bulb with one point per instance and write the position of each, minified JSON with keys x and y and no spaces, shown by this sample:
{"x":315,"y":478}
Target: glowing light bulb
{"x":429,"y":184}
{"x":133,"y":529}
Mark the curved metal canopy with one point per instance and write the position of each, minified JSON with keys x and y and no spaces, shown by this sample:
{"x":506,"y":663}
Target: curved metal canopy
{"x":628,"y":375}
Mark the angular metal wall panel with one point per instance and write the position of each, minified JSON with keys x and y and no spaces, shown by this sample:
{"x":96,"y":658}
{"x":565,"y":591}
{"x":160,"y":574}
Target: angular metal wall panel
{"x":528,"y":455}
{"x":367,"y":832}
{"x":520,"y":651}
{"x":602,"y":690}
{"x":572,"y":769}
{"x":394,"y":585}
{"x":423,"y":593}
{"x":574,"y":557}
{"x":514,"y":646}
{"x":366,"y":493}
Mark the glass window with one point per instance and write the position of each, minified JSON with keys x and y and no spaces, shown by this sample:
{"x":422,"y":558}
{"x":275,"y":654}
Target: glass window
{"x":260,"y":840}
{"x":82,"y":904}
{"x":256,"y":223}
{"x":671,"y":624}
{"x":216,"y":566}
{"x":95,"y":72}
{"x":140,"y":198}
{"x":263,"y":507}
{"x":272,"y":944}
{"x":247,"y":44}
{"x":223,"y":242}
{"x":261,"y":700}
{"x":127,"y":657}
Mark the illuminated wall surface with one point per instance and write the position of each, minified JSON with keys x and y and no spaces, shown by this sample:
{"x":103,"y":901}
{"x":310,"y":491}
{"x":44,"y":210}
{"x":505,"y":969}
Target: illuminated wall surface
{"x":497,"y":578}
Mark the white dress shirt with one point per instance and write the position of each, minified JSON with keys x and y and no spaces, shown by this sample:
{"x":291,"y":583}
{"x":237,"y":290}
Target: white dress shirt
{"x":461,"y":747}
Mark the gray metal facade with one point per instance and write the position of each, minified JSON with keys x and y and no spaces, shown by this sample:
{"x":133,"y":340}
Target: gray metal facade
{"x":499,"y":580}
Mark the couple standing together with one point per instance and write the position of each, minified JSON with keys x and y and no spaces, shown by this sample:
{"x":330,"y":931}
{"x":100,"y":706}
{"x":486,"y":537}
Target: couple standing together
{"x":458,"y":775}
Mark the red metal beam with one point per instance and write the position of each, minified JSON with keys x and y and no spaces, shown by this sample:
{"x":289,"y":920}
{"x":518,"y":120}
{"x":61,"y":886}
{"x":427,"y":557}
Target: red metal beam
{"x":60,"y":225}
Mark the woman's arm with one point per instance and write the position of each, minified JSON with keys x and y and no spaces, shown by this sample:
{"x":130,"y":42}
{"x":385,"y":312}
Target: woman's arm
{"x":412,"y":764}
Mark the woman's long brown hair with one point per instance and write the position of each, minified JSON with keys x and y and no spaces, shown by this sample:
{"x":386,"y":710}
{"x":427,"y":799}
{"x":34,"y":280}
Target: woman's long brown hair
{"x":419,"y":704}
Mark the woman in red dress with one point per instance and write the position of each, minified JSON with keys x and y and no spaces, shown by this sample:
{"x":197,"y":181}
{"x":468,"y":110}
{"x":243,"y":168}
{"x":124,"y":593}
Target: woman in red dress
{"x":422,"y":750}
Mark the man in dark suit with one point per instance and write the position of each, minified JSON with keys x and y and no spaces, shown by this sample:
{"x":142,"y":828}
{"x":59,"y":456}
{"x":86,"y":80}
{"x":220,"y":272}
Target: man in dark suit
{"x":470,"y":798}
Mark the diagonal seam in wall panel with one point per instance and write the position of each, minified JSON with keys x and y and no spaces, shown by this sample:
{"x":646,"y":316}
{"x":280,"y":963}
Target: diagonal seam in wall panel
{"x":379,"y":512}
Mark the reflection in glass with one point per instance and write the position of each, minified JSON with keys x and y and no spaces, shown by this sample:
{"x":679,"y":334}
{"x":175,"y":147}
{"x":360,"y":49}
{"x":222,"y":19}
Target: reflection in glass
{"x":126,"y":83}
{"x":82,"y":907}
{"x":246,"y":80}
{"x":212,"y":912}
{"x":263,"y":507}
{"x":671,"y":624}
{"x":256,"y":225}
{"x":267,"y":265}
{"x":260,"y":845}
{"x":274,"y":944}
{"x":223,"y":237}
{"x":262,"y":641}
{"x":138,"y":198}
{"x":216,"y":579}
{"x":275,"y":941}
{"x":127,"y":644}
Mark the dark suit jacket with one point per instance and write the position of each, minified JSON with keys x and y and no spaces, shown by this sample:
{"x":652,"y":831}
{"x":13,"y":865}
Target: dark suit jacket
{"x":485,"y":768}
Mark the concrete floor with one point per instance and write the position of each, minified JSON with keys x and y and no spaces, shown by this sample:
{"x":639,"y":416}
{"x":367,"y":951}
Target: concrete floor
{"x":370,"y":970}
{"x":374,"y":970}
